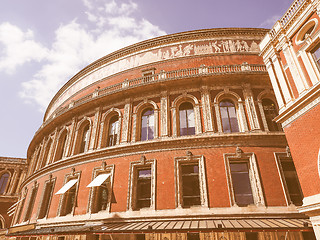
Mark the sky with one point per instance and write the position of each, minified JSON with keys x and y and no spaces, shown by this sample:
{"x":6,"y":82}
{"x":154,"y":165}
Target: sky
{"x":43,"y":43}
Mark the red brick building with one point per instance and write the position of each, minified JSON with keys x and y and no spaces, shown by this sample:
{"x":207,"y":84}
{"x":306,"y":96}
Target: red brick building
{"x":170,"y":138}
{"x":12,"y":174}
{"x":291,"y":53}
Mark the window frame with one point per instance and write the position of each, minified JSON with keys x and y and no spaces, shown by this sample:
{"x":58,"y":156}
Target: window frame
{"x":42,"y":203}
{"x":20,"y":206}
{"x":286,"y":157}
{"x":179,"y":121}
{"x":148,"y":116}
{"x":187,"y":160}
{"x":7,"y":183}
{"x":61,"y":147}
{"x":80,"y":136}
{"x":254,"y":176}
{"x":275,"y":124}
{"x":236,"y":113}
{"x":64,"y":198}
{"x":132,"y":188}
{"x":104,"y":169}
{"x":31,"y":202}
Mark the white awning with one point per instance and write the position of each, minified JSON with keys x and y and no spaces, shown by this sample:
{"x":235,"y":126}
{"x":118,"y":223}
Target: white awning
{"x":67,"y":186}
{"x":99,"y":180}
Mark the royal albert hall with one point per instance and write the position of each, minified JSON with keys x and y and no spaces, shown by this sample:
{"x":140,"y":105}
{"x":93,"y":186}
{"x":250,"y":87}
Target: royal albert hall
{"x":168,"y":139}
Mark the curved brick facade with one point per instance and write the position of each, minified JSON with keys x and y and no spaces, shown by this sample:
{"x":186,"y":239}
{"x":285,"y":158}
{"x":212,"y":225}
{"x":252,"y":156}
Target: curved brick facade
{"x":174,"y":129}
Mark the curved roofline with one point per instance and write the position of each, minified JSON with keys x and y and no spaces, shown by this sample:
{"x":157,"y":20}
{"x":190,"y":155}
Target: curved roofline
{"x":153,"y":42}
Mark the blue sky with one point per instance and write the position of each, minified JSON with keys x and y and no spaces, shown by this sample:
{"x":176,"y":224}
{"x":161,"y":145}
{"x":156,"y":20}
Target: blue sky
{"x":43,"y":43}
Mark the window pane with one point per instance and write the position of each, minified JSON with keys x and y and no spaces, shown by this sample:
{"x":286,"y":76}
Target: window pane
{"x":270,"y":112}
{"x":292,"y":182}
{"x":186,"y":119}
{"x":147,"y":125}
{"x":3,"y":182}
{"x":190,"y":185}
{"x":143,"y":188}
{"x":241,"y":184}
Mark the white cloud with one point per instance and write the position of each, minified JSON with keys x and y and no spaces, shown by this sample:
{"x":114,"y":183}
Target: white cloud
{"x":268,"y":23}
{"x":76,"y":45}
{"x":19,"y":48}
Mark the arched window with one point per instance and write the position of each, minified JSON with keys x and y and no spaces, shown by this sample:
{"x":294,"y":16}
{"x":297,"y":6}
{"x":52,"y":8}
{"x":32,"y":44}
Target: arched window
{"x":270,"y":112}
{"x":228,"y":116}
{"x":61,"y":146}
{"x":147,"y":124}
{"x":1,"y":222}
{"x":84,"y":138}
{"x":46,"y":154}
{"x":186,"y":119}
{"x":113,"y":131}
{"x":3,"y":182}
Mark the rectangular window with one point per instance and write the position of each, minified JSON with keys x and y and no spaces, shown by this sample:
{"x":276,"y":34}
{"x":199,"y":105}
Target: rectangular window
{"x":190,"y":184}
{"x":69,"y":198}
{"x":316,"y":54}
{"x":143,"y":199}
{"x":31,"y":203}
{"x":291,"y":181}
{"x":101,"y":192}
{"x":45,"y":203}
{"x":20,"y":208}
{"x":241,"y":183}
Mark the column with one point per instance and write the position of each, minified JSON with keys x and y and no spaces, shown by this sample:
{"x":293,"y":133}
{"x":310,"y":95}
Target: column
{"x":250,"y":106}
{"x":294,"y":67}
{"x":71,"y":138}
{"x":126,"y":122}
{"x":164,"y":114}
{"x":243,"y":120}
{"x":218,"y":117}
{"x":174,"y":121}
{"x":95,"y":130}
{"x":263,"y":116}
{"x":207,"y":110}
{"x":197,"y":116}
{"x":275,"y":83}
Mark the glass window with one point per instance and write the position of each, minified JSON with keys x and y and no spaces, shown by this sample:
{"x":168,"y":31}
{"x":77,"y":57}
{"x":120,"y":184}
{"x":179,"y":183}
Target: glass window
{"x":147,"y":124}
{"x":190,"y":185}
{"x":241,"y":183}
{"x":61,"y":146}
{"x":46,"y":154}
{"x":186,"y":119}
{"x":316,"y":54}
{"x":113,"y":131}
{"x":31,"y":203}
{"x":69,"y":200}
{"x":84,"y":138}
{"x":143,"y":188}
{"x":228,"y":116}
{"x":101,"y":193}
{"x":45,"y":203}
{"x":291,"y":181}
{"x":3,"y":182}
{"x":270,"y":112}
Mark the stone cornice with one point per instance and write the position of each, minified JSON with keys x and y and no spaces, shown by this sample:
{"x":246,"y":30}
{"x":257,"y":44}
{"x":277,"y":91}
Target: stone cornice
{"x":309,"y":99}
{"x":213,"y":140}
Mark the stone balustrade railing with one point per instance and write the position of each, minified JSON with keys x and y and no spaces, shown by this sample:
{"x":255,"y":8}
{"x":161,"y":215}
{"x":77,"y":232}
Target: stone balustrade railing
{"x":160,"y":77}
{"x":291,"y":11}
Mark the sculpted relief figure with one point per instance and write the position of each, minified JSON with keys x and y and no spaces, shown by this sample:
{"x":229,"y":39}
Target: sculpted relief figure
{"x":187,"y":50}
{"x":225,"y":45}
{"x":216,"y":48}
